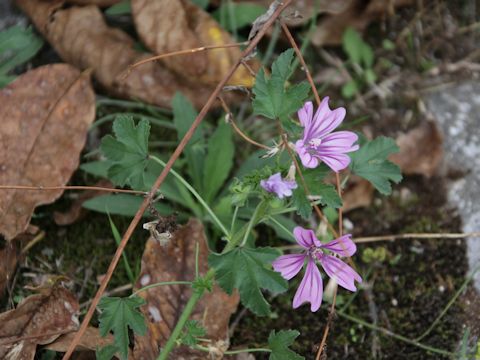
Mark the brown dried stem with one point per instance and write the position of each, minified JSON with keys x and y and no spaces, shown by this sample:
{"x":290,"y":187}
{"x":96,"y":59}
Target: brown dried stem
{"x":162,"y":177}
{"x":290,"y":38}
{"x":73,"y":187}
{"x":236,"y":128}
{"x":176,"y":53}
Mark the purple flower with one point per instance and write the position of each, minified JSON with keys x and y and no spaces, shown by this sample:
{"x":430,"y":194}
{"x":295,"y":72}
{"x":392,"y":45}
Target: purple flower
{"x":311,"y":287}
{"x":319,"y":143}
{"x":275,"y":184}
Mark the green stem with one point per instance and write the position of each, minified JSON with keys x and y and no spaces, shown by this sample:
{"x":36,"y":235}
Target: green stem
{"x":272,"y":219}
{"x":187,"y":311}
{"x":292,"y":208}
{"x":234,"y":218}
{"x":164,"y":283}
{"x":395,"y":336}
{"x":251,"y":223}
{"x":214,"y":217}
{"x":233,"y":352}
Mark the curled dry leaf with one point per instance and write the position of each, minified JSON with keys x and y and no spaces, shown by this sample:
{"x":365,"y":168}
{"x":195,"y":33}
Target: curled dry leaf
{"x":38,"y":320}
{"x":358,"y":194}
{"x":82,"y":38}
{"x":76,"y":210}
{"x":176,"y":261}
{"x":91,"y":340}
{"x":357,"y":14}
{"x":171,"y":25}
{"x":13,"y":252}
{"x":9,"y":257}
{"x":46,"y":114}
{"x":421,"y":150}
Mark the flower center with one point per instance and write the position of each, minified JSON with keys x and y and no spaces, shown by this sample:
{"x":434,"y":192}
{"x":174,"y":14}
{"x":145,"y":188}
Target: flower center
{"x":315,"y":252}
{"x":315,"y":143}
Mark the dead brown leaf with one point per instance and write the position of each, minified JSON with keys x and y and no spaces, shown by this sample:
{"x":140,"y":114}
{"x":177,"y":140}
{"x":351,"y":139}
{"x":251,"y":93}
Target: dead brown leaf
{"x":91,"y":340}
{"x":171,"y":25}
{"x":82,"y":38}
{"x":76,"y":210}
{"x":357,"y":14}
{"x":46,"y":113}
{"x":358,"y":194}
{"x":421,"y":150}
{"x":38,"y":320}
{"x":9,"y":257}
{"x":176,"y":261}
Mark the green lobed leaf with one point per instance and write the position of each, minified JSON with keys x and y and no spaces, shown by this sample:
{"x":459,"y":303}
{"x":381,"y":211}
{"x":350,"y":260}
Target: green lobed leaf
{"x":119,"y":314}
{"x":219,"y":160}
{"x":272,"y":98}
{"x":106,"y":353}
{"x":191,"y":332}
{"x":279,"y":343}
{"x":238,"y":14}
{"x":128,"y":151}
{"x":301,"y":202}
{"x":370,"y":162}
{"x":245,"y":269}
{"x":121,"y":204}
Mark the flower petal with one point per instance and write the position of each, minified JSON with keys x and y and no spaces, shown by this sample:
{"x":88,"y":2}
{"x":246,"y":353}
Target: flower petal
{"x":340,"y":142}
{"x":343,"y":246}
{"x":305,"y":114}
{"x":307,"y":159}
{"x":305,"y":237}
{"x":342,"y":273}
{"x":325,"y":120}
{"x":289,"y":265}
{"x":310,"y":289}
{"x":335,"y":161}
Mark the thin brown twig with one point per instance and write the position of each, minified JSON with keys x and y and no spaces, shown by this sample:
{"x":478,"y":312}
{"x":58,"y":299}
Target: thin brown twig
{"x":290,"y":38}
{"x":73,"y":187}
{"x":176,"y":53}
{"x":236,"y":128}
{"x":163,"y":175}
{"x":369,"y":239}
{"x":331,"y":315}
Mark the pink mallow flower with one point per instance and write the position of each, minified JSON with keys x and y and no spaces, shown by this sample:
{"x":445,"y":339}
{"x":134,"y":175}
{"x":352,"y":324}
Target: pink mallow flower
{"x":311,"y":287}
{"x":275,"y":184}
{"x":319,"y":143}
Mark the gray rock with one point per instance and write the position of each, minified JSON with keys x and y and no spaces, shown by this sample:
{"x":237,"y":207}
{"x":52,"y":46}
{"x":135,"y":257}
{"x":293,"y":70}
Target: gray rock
{"x":457,"y":111}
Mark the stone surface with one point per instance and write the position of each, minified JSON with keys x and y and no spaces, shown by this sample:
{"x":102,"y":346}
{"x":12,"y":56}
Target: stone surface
{"x":457,"y":111}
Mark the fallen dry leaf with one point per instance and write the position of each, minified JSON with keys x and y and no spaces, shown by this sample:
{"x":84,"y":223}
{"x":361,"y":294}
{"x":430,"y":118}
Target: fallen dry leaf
{"x":76,"y":210}
{"x":358,"y":194}
{"x":46,"y":114}
{"x":100,"y":3}
{"x":82,"y":38}
{"x":9,"y":256}
{"x":91,"y":340}
{"x":38,"y":320}
{"x":176,"y":261}
{"x":13,"y":252}
{"x":171,"y":25}
{"x":421,"y":150}
{"x":357,"y":14}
